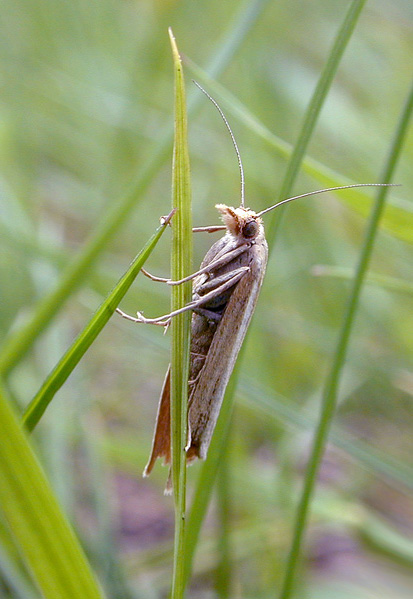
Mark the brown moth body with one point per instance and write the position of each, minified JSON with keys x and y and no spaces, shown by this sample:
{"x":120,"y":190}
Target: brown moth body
{"x":218,"y":328}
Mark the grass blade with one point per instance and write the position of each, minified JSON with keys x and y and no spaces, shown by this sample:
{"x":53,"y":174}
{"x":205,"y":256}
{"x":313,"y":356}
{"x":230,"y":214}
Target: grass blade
{"x":43,"y":534}
{"x":71,"y":358}
{"x":329,"y":398}
{"x":181,"y":324}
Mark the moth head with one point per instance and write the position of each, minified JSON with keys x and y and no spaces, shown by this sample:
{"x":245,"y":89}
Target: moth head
{"x":241,"y":223}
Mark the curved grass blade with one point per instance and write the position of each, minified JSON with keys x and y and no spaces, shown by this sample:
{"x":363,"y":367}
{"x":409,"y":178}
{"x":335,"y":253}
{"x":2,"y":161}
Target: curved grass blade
{"x":19,"y":342}
{"x":44,"y":536}
{"x":198,"y":507}
{"x":84,"y":340}
{"x":181,"y":324}
{"x":329,"y":398}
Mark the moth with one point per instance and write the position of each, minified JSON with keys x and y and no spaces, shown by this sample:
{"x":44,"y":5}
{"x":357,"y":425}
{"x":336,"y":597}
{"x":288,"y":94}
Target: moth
{"x":225,"y":293}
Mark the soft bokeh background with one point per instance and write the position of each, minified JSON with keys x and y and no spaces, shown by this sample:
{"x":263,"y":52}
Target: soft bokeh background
{"x":86,"y":101}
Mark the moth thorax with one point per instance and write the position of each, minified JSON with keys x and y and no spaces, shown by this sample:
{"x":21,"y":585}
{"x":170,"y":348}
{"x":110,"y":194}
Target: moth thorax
{"x":240,"y":222}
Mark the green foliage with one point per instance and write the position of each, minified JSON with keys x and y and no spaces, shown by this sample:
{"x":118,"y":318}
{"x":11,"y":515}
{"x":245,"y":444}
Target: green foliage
{"x":42,"y":533}
{"x":70,"y":360}
{"x":86,"y":146}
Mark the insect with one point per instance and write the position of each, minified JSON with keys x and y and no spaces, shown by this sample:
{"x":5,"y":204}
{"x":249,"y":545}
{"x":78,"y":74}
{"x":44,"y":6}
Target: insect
{"x":225,"y":293}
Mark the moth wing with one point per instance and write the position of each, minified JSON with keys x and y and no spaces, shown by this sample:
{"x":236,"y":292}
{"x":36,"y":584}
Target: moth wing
{"x":209,"y":392}
{"x":161,"y":444}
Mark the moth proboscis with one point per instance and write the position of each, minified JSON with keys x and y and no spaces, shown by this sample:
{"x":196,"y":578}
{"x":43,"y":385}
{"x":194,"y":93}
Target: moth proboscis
{"x":225,"y":293}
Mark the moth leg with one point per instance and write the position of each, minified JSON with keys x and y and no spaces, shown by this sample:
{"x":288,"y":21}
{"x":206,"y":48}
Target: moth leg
{"x":138,"y":319}
{"x":211,"y":284}
{"x":165,"y":319}
{"x":218,"y":262}
{"x":153,"y":277}
{"x":221,"y":261}
{"x":211,"y":229}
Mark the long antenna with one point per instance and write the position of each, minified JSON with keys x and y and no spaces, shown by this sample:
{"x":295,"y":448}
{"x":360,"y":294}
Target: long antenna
{"x":313,"y":193}
{"x":241,"y":169}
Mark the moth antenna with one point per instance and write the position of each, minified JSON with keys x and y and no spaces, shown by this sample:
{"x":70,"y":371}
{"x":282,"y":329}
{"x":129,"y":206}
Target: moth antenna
{"x":312,"y":193}
{"x":241,"y":168}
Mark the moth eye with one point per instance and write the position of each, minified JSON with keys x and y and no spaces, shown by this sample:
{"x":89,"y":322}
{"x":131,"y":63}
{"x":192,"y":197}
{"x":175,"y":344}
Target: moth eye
{"x":250,"y":229}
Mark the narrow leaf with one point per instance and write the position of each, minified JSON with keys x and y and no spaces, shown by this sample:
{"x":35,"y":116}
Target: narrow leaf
{"x":71,"y":358}
{"x":181,"y":295}
{"x":44,"y":536}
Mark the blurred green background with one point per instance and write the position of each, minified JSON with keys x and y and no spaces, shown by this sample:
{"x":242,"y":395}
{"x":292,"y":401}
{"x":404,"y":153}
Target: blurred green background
{"x":86,"y":103}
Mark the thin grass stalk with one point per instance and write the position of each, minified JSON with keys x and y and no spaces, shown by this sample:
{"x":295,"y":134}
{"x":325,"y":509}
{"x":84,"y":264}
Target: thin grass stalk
{"x":18,"y":343}
{"x":209,"y":469}
{"x":329,"y":398}
{"x":181,"y":324}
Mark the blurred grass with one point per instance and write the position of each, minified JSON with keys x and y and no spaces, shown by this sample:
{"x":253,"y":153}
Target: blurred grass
{"x":86,"y":104}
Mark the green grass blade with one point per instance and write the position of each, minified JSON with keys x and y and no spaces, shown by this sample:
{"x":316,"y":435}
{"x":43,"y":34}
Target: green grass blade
{"x":181,"y":324}
{"x":329,"y":398}
{"x":199,"y":505}
{"x":71,"y":358}
{"x":42,"y":533}
{"x":20,"y":342}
